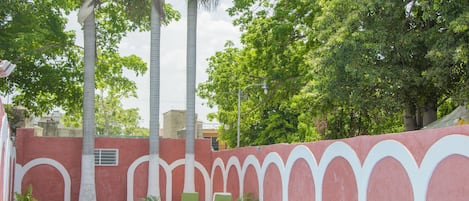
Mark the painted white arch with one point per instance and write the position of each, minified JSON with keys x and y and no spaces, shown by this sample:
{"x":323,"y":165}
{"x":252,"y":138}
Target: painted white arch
{"x":456,"y":144}
{"x":381,"y":150}
{"x":251,"y":160}
{"x":419,"y":176}
{"x":218,"y":163}
{"x":275,"y":159}
{"x":232,"y":162}
{"x":130,"y":176}
{"x":300,"y":152}
{"x":202,"y":170}
{"x":21,"y":171}
{"x":169,"y":182}
{"x":168,"y":171}
{"x":336,"y":149}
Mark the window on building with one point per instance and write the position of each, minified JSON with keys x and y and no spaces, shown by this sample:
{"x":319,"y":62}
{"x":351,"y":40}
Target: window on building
{"x":213,"y":142}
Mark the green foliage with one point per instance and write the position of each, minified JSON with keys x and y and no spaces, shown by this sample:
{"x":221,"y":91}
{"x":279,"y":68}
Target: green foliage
{"x":16,"y":116}
{"x":112,"y":86}
{"x":27,"y":196}
{"x":117,"y":17}
{"x":248,"y":197}
{"x":32,"y":35}
{"x":338,"y":68}
{"x":49,"y":71}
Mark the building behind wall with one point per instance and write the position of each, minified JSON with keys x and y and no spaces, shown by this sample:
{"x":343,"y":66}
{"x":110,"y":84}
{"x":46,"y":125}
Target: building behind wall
{"x":174,"y":126}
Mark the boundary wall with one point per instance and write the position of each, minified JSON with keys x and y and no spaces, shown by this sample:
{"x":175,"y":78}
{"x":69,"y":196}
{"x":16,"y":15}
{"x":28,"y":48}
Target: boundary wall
{"x":7,"y":158}
{"x":421,"y":165}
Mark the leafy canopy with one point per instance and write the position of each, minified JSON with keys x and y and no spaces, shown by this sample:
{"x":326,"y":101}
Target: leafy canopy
{"x":339,"y":68}
{"x":49,"y":64}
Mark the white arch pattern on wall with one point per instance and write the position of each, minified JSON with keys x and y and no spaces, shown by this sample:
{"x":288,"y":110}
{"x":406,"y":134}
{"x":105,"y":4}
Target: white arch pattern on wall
{"x":168,"y":169}
{"x":274,"y":159}
{"x":7,"y":155}
{"x":218,"y":163}
{"x":21,"y":171}
{"x":251,"y":160}
{"x":419,"y":176}
{"x":455,"y":144}
{"x":232,"y":162}
{"x":300,"y":152}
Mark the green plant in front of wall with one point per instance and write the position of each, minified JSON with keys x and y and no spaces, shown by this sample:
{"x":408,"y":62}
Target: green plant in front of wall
{"x":248,"y":197}
{"x":27,"y":196}
{"x":150,"y":198}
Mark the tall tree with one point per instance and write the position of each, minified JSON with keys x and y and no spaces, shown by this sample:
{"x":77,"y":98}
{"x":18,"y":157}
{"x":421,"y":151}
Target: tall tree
{"x":160,"y":13}
{"x":87,"y":184}
{"x":387,"y":49}
{"x":190,"y":88}
{"x":274,"y":47}
{"x":157,"y":13}
{"x":339,"y":68}
{"x":49,"y":72}
{"x":33,"y":35}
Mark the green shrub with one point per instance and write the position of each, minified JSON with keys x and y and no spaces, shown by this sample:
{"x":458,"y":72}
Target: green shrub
{"x":27,"y":196}
{"x":248,"y":197}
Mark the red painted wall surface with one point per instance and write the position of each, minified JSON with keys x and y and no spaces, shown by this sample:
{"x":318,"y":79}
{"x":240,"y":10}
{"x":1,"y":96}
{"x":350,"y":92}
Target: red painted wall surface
{"x":388,"y":180}
{"x":111,"y":181}
{"x":324,"y":170}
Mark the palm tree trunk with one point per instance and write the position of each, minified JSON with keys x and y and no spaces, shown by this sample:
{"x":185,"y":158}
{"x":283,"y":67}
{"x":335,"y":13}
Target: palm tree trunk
{"x":153,"y":168}
{"x":87,"y":185}
{"x":190,"y":95}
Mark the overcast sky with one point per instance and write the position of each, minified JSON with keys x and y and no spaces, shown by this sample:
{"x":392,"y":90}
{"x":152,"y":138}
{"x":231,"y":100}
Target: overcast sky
{"x":214,"y":28}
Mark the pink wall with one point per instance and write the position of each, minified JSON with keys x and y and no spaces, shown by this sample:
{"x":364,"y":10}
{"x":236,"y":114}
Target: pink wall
{"x":111,"y":181}
{"x":7,"y":158}
{"x":421,"y":165}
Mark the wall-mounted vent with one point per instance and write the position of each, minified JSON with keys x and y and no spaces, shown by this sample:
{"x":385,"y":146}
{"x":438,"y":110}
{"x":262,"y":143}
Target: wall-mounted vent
{"x":106,"y":157}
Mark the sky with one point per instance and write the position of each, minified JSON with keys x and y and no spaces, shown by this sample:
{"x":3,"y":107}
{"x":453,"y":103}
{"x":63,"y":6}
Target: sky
{"x":214,"y":28}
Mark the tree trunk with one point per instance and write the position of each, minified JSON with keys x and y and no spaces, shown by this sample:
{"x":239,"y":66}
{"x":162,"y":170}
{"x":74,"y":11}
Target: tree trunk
{"x":419,"y":117}
{"x":153,"y":168}
{"x":190,"y":95}
{"x":87,"y":185}
{"x":410,"y":121}
{"x":429,"y":111}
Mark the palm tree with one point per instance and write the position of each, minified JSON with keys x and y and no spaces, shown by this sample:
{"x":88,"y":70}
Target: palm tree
{"x":190,"y":88}
{"x":87,"y":185}
{"x":157,"y":14}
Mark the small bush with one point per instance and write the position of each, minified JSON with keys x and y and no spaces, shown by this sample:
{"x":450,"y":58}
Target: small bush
{"x":248,"y":197}
{"x":27,"y":196}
